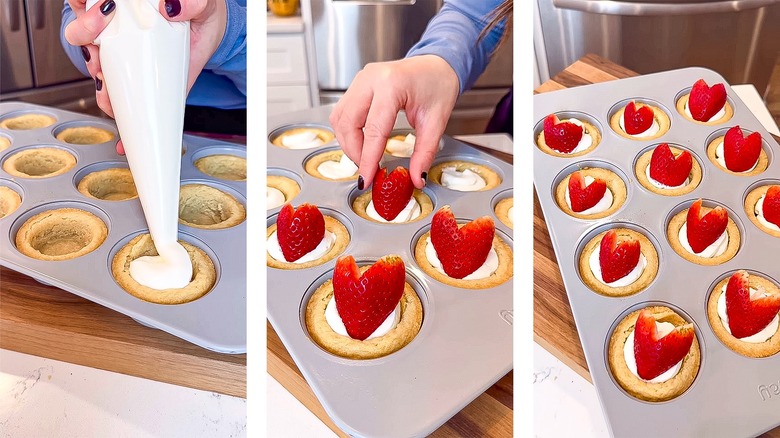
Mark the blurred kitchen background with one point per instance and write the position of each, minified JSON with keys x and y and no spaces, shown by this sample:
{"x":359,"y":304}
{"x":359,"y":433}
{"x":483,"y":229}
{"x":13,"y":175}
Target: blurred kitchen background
{"x":33,"y":66}
{"x":314,"y":55}
{"x":738,"y":39}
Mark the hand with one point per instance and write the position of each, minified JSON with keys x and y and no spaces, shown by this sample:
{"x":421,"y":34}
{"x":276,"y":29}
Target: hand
{"x":426,"y":87}
{"x":208,"y":19}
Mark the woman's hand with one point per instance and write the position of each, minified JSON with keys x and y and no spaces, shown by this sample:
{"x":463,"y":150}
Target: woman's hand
{"x":426,"y":87}
{"x":208,"y":19}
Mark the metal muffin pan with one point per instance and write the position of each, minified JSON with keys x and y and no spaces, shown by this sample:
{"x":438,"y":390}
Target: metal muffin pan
{"x":216,"y":321}
{"x":465,"y":342}
{"x":732,"y":395}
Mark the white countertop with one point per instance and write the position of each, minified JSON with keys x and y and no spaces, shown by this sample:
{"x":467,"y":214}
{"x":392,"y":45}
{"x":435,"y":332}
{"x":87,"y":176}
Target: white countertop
{"x":276,"y":24}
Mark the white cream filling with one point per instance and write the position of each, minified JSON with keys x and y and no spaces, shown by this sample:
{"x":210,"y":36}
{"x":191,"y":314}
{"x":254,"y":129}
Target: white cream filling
{"x":509,"y":214}
{"x":757,"y":338}
{"x":652,"y":130}
{"x":411,"y":211}
{"x":585,"y":142}
{"x":171,"y":269}
{"x":720,"y":157}
{"x":715,"y":249}
{"x":466,"y":181}
{"x":400,"y":148}
{"x":273,"y":197}
{"x":486,"y":270}
{"x":663,"y":329}
{"x":661,"y":185}
{"x":595,"y":268}
{"x":302,"y":140}
{"x":604,"y":203}
{"x":334,"y":321}
{"x":344,"y":168}
{"x":719,"y":115}
{"x":760,"y":215}
{"x":275,"y":250}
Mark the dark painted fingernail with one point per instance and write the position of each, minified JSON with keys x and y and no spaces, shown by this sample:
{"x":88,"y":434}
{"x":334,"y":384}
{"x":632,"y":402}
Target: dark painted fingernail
{"x":361,"y":182}
{"x":107,"y":7}
{"x":85,"y":53}
{"x":172,"y":8}
{"x":98,"y":84}
{"x":424,"y":176}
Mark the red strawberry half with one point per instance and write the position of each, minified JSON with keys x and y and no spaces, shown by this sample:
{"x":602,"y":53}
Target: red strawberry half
{"x":741,"y":153}
{"x":582,"y":197}
{"x":704,"y":101}
{"x":771,"y":206}
{"x":702,"y":231}
{"x":392,"y":192}
{"x":461,"y":251}
{"x":668,"y":170}
{"x":748,"y":317}
{"x":654,"y":355}
{"x":365,"y":301}
{"x":561,"y":136}
{"x":299,"y":231}
{"x":617,"y":259}
{"x":637,"y":120}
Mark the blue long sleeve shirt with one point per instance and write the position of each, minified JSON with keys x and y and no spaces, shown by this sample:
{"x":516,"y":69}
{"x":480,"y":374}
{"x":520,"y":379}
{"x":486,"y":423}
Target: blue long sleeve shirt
{"x":453,"y":35}
{"x":222,"y":83}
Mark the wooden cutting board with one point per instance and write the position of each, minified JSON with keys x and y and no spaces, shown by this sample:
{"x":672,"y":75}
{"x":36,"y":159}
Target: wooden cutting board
{"x":554,"y":327}
{"x":489,"y":415}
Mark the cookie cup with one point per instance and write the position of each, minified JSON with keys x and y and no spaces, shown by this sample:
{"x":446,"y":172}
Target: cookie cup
{"x":331,"y":224}
{"x":646,"y":248}
{"x":61,"y":234}
{"x":643,"y":162}
{"x":681,"y":109}
{"x":502,"y":211}
{"x":491,"y":178}
{"x":313,"y":164}
{"x":673,"y":233}
{"x":750,"y":208}
{"x":614,"y":183}
{"x":588,"y":129}
{"x":761,"y":165}
{"x":659,"y":116}
{"x":360,"y":204}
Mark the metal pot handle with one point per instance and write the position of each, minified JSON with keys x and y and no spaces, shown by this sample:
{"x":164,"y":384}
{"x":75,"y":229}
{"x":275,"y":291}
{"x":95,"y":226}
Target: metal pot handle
{"x":616,"y":7}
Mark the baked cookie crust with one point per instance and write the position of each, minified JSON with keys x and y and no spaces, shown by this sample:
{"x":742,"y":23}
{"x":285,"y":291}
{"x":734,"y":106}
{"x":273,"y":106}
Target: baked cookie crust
{"x":115,"y":184}
{"x":208,"y":208}
{"x":223,"y":166}
{"x":84,"y":135}
{"x":331,"y":224}
{"x":750,"y":208}
{"x":492,"y":180}
{"x":646,"y":248}
{"x":314,"y":162}
{"x":588,"y":129}
{"x":39,"y":163}
{"x":673,"y":231}
{"x":659,"y":116}
{"x":324,"y":135}
{"x":287,"y":186}
{"x":641,"y":389}
{"x":644,"y":162}
{"x":502,"y":211}
{"x":615,"y":184}
{"x":360,"y":204}
{"x":681,"y":109}
{"x":761,"y":165}
{"x":61,"y":234}
{"x":27,"y":121}
{"x":9,"y":201}
{"x":5,"y":143}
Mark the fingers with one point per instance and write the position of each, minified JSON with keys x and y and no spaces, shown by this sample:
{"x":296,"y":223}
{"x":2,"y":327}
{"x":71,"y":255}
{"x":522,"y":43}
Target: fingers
{"x":379,"y":123}
{"x":349,"y":116}
{"x":84,"y":29}
{"x":91,"y":57}
{"x":120,"y":148}
{"x":101,"y":95}
{"x":425,"y":148}
{"x":182,"y":10}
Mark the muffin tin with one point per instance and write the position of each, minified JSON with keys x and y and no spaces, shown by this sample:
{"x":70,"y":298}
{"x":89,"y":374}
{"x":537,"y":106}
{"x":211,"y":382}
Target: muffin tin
{"x":732,"y":395}
{"x":216,"y":321}
{"x":465,"y":343}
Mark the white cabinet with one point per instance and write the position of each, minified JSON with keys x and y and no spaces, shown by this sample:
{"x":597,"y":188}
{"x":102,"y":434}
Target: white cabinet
{"x":289,"y":85}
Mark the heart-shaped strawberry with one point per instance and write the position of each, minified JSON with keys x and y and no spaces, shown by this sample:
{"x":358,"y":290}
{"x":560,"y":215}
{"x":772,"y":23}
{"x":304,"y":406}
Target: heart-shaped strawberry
{"x":704,"y":101}
{"x":461,"y":251}
{"x":637,"y":120}
{"x":771,"y":207}
{"x":390,"y":193}
{"x":561,"y":136}
{"x":703,"y":231}
{"x":365,"y":301}
{"x":748,"y":316}
{"x":617,"y":258}
{"x":668,"y":170}
{"x":654,"y":356}
{"x":299,"y":231}
{"x":584,"y":197}
{"x":741,"y":153}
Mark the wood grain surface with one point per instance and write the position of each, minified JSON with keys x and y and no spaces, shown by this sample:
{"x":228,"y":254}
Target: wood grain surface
{"x":554,"y":327}
{"x":48,"y":322}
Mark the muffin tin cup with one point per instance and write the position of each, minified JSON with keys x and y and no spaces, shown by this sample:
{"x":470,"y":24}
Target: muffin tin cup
{"x":464,"y":345}
{"x":217,"y":321}
{"x":723,"y":375}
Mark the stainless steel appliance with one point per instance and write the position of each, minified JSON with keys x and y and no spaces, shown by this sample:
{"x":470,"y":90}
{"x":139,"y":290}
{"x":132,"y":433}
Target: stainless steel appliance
{"x":33,"y":66}
{"x":348,"y":34}
{"x":738,"y":39}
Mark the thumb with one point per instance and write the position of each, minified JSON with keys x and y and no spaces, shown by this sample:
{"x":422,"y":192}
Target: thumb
{"x":425,"y":148}
{"x":183,"y":10}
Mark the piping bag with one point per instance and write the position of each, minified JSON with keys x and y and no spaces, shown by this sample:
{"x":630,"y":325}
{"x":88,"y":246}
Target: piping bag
{"x":145,"y":60}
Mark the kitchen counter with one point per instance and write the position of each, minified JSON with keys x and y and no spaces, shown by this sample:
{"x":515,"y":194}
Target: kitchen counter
{"x":293,"y":24}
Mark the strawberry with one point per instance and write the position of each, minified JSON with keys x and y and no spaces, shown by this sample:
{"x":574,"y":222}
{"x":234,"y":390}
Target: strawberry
{"x":461,"y":251}
{"x":365,"y":301}
{"x":582,"y":197}
{"x":668,"y":169}
{"x":748,"y":316}
{"x":741,"y":153}
{"x":771,"y":206}
{"x":637,"y":120}
{"x":654,"y":355}
{"x":702,"y":231}
{"x":561,"y":136}
{"x":617,"y":259}
{"x":704,"y":101}
{"x":392,"y":192}
{"x":299,"y":231}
